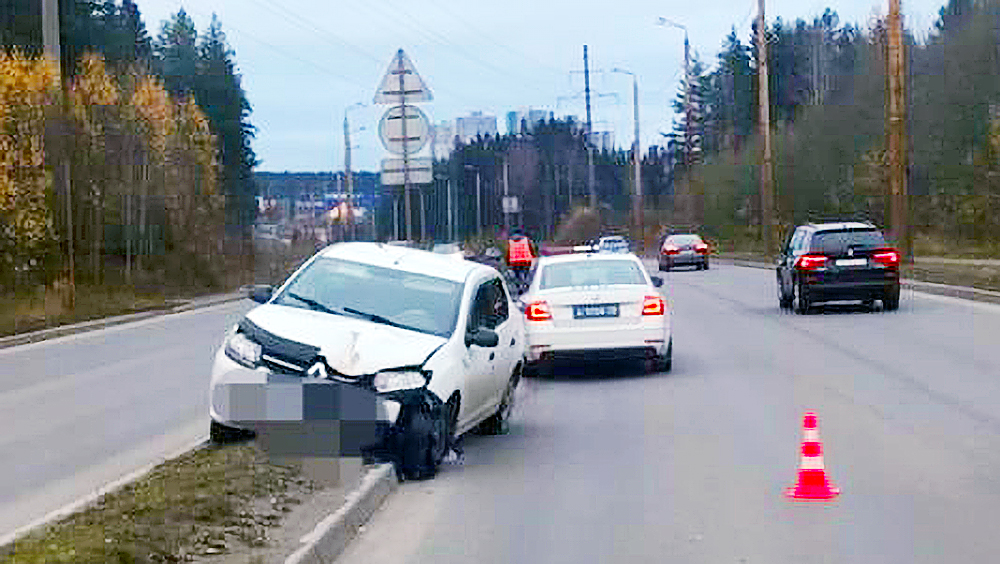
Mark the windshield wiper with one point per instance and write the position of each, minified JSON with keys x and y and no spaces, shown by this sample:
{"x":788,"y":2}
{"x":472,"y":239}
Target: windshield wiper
{"x":376,"y":318}
{"x":313,"y":304}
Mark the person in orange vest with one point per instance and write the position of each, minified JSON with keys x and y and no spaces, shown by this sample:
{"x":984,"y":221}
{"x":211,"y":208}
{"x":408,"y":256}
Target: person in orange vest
{"x":520,"y":255}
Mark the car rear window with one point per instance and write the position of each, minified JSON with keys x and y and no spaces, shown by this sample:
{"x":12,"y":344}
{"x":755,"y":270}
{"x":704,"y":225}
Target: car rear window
{"x":591,"y":273}
{"x":684,"y":239}
{"x":838,"y":242}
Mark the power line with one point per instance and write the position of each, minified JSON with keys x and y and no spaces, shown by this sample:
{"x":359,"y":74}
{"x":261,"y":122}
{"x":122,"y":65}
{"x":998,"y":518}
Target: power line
{"x":302,"y":23}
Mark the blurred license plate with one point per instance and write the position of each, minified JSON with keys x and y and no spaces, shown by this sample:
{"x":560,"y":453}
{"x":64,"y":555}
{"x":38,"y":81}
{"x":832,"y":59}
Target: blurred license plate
{"x":852,"y":262}
{"x":687,"y":252}
{"x":607,"y":310}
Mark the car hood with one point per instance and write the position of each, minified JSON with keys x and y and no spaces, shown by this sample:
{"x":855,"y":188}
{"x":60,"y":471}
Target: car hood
{"x":351,"y":346}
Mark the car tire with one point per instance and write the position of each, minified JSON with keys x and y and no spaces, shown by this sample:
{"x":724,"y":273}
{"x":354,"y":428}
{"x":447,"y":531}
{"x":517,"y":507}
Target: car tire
{"x":890,"y":302}
{"x":425,"y":441}
{"x":801,"y":300}
{"x":220,"y":434}
{"x":705,"y":265}
{"x":784,"y":300}
{"x":499,"y":422}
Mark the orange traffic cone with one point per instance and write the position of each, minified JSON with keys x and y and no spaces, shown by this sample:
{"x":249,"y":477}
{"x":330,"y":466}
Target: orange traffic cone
{"x":812,"y":484}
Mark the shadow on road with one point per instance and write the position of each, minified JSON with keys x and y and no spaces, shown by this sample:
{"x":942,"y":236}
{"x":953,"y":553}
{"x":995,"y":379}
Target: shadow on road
{"x":580,"y":371}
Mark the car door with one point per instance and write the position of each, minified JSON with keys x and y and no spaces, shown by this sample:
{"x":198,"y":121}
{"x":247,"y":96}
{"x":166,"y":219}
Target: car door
{"x":480,"y":362}
{"x":507,"y":326}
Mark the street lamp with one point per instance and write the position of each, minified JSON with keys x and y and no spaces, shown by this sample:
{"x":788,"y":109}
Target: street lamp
{"x":479,"y":201}
{"x":688,"y":106}
{"x":636,"y":158}
{"x":347,"y":168}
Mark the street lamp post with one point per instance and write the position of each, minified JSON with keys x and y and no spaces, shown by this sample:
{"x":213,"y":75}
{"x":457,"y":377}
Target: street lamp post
{"x":637,"y":207}
{"x":688,"y":107}
{"x":347,"y":170}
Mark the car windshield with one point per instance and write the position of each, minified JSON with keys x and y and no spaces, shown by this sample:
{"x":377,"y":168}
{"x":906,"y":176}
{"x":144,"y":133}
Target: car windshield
{"x":838,"y":242}
{"x":413,"y":301}
{"x":591,"y":273}
{"x":684,"y":239}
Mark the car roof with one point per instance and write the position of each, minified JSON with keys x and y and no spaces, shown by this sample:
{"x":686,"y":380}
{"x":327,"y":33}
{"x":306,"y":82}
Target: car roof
{"x":416,"y":261}
{"x":840,"y":226}
{"x":582,"y":257}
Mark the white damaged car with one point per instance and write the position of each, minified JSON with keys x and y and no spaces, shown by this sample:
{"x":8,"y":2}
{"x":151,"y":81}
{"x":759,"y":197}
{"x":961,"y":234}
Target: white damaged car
{"x":420,"y":347}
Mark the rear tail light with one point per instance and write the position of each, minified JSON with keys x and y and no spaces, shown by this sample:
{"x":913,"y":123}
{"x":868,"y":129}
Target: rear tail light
{"x":888,"y":258}
{"x":654,"y":305}
{"x":702,"y":248}
{"x":670,"y":250}
{"x":538,"y":311}
{"x":810,"y":262}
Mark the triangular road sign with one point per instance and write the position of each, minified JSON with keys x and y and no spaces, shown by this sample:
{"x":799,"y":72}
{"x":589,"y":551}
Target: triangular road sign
{"x":413,"y":87}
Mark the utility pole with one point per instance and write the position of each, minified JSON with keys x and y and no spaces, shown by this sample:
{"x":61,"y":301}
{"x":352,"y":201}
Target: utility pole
{"x":896,"y":131}
{"x":451,"y":216}
{"x":349,"y":178}
{"x":52,"y":49}
{"x":590,"y":150}
{"x":423,"y":215}
{"x":479,"y":205}
{"x":766,"y":171}
{"x":506,"y":191}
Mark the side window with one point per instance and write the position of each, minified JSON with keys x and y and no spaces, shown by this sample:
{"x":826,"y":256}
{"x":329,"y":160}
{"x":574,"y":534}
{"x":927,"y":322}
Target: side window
{"x":500,"y":310}
{"x":797,"y":241}
{"x":482,"y":307}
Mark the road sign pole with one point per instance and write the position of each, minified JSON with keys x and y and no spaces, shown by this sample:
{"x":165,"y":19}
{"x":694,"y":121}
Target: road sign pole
{"x":406,"y":156}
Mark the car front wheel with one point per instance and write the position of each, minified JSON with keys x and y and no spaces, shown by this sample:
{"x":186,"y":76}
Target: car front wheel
{"x":220,"y":434}
{"x":425,"y":441}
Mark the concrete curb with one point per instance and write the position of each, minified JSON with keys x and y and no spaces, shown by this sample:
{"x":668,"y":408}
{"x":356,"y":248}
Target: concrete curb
{"x":332,"y":535}
{"x":962,"y":292}
{"x":95,"y":324}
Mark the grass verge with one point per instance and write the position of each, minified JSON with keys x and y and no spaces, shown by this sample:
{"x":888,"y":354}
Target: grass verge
{"x":209,"y":501}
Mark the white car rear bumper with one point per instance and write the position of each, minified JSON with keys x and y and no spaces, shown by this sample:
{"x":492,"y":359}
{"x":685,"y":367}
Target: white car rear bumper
{"x":545,"y":341}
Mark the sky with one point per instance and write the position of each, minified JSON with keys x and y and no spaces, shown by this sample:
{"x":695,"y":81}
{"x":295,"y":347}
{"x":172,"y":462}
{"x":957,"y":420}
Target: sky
{"x":305,"y":62}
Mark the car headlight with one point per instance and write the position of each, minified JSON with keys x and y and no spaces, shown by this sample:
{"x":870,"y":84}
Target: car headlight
{"x":391,"y":381}
{"x":243,"y":350}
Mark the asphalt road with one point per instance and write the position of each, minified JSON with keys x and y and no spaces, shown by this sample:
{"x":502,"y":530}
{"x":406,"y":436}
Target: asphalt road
{"x":691,"y":466}
{"x":82,"y":411}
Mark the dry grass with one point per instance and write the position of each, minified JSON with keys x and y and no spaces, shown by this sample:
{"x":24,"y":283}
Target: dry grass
{"x":206,"y":502}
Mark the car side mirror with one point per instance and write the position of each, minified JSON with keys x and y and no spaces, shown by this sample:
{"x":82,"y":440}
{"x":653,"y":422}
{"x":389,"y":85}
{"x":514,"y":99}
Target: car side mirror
{"x":657,"y":281}
{"x":482,"y":338}
{"x":261,"y":293}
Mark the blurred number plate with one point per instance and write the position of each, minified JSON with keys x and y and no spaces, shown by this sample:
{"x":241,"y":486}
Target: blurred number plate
{"x":608,"y":310}
{"x":852,"y":262}
{"x":687,"y":252}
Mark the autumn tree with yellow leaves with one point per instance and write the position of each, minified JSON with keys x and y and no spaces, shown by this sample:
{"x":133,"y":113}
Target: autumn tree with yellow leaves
{"x":144,"y":173}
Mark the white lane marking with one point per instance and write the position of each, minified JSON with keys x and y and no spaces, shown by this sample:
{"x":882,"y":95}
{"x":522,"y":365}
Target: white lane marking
{"x":92,"y":333}
{"x":109,"y":487}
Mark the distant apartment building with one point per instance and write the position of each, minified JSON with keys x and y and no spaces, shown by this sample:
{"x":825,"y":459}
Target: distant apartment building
{"x":603,"y":140}
{"x":471,"y":126}
{"x":529,"y":117}
{"x":442,"y":140}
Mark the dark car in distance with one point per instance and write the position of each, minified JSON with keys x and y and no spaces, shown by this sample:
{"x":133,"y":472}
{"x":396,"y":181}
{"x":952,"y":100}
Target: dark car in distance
{"x":682,"y":249}
{"x":837,"y":262}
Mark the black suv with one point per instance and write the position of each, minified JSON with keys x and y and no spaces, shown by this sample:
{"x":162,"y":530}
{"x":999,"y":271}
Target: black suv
{"x":837,"y":261}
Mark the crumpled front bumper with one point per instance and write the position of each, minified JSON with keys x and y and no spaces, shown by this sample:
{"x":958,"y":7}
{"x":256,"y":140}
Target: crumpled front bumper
{"x":296,"y":416}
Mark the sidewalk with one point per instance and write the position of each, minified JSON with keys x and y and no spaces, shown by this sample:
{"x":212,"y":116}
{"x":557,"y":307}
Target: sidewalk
{"x":175,"y":306}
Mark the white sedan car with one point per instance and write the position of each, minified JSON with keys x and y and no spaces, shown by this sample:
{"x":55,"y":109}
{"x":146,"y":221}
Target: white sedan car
{"x":595,"y":305}
{"x":421,"y":346}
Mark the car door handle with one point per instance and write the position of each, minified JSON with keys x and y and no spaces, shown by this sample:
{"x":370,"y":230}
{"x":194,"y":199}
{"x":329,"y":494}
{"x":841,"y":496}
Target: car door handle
{"x":512,"y":341}
{"x":492,"y":355}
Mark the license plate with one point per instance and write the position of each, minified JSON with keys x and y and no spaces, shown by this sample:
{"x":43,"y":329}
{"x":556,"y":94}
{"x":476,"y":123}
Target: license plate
{"x":687,"y":252}
{"x":606,"y":310}
{"x":852,"y":262}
